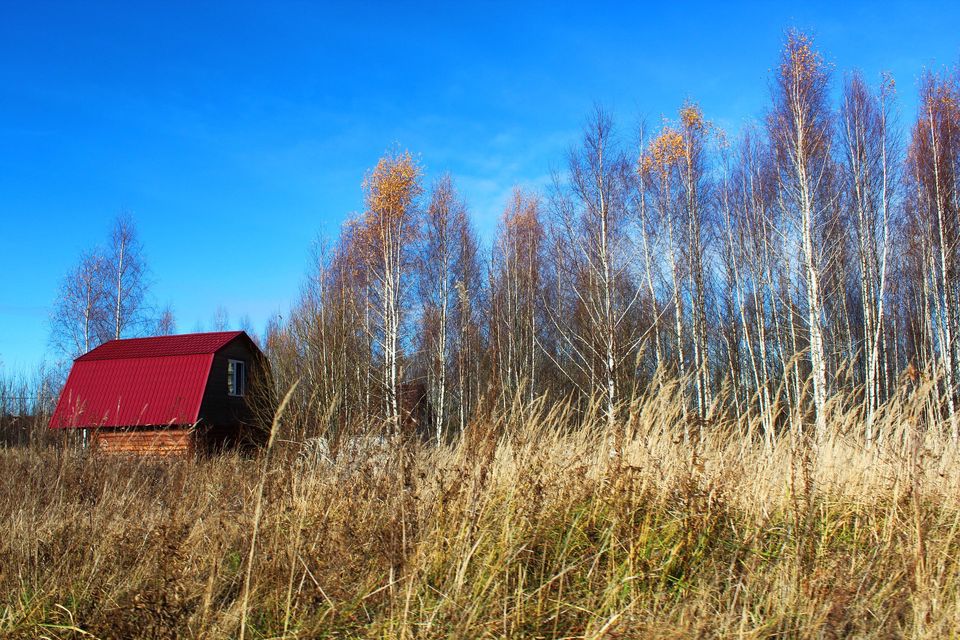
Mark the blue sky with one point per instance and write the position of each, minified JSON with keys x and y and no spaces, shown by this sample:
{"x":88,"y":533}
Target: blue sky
{"x":236,"y":132}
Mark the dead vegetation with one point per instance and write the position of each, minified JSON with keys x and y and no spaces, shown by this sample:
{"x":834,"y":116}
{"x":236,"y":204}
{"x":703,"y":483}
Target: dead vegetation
{"x":526,"y":527}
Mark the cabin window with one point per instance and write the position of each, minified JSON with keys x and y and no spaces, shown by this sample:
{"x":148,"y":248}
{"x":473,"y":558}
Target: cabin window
{"x":236,"y":377}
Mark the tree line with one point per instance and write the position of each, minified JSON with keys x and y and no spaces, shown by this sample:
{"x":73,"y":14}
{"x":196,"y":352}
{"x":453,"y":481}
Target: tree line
{"x":813,"y":253}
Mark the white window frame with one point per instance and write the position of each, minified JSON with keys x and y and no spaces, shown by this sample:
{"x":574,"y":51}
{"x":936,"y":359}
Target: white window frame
{"x":239,"y":382}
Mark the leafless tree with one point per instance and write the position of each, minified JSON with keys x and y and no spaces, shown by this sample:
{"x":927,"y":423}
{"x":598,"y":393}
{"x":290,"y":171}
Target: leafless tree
{"x":445,"y":228}
{"x":591,"y":225}
{"x":870,"y":156}
{"x":800,"y":127}
{"x":127,"y":273}
{"x":934,"y":194}
{"x":81,"y":314}
{"x":751,"y":244}
{"x":471,"y":303}
{"x":516,"y":280}
{"x":166,"y":323}
{"x":647,"y":225}
{"x":221,"y":319}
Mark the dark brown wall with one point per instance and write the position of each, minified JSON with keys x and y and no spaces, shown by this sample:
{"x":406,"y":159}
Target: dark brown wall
{"x":224,"y":417}
{"x":218,"y":407}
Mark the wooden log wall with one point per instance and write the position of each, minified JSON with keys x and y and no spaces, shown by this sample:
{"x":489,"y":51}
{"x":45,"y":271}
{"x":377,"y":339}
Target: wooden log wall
{"x":158,"y":442}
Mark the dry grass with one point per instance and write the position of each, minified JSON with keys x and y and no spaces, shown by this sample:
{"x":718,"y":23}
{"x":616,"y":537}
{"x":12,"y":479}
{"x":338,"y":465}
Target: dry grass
{"x":522,"y":529}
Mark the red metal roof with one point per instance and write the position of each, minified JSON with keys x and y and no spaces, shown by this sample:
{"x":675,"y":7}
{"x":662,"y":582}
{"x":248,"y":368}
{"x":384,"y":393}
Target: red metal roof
{"x":181,"y":345}
{"x":140,"y":381}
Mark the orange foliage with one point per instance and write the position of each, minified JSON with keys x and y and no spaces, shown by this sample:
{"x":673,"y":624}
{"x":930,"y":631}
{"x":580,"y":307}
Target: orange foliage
{"x":800,"y":60}
{"x":392,"y":187}
{"x":692,"y":117}
{"x":671,"y":144}
{"x":666,"y":149}
{"x":391,"y":191}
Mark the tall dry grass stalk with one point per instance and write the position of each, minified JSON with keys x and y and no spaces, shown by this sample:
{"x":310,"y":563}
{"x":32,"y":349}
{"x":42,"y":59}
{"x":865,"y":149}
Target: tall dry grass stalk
{"x":258,"y":509}
{"x":522,"y":528}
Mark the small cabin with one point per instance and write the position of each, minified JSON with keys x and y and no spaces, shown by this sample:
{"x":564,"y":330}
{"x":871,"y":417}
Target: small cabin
{"x":167,"y":395}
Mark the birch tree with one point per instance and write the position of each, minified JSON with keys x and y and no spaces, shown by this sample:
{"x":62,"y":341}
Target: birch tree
{"x":81,"y":314}
{"x":470,"y":303}
{"x":166,"y":322}
{"x":516,"y":282}
{"x":127,"y":270}
{"x":800,"y":131}
{"x":934,"y":171}
{"x":693,"y":131}
{"x":443,"y":230}
{"x":751,"y":241}
{"x":662,"y":165}
{"x":870,"y":174}
{"x":389,"y":230}
{"x":592,"y":223}
{"x":647,"y":225}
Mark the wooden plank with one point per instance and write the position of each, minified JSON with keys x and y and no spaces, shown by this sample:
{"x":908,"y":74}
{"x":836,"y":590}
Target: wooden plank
{"x":143,"y":443}
{"x":166,"y":442}
{"x":178,"y":434}
{"x":156,"y":440}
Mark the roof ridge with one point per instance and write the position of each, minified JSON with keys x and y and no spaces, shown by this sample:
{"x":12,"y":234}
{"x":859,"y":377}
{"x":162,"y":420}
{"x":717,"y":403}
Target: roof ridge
{"x":178,"y":335}
{"x":160,"y":346}
{"x":149,"y":356}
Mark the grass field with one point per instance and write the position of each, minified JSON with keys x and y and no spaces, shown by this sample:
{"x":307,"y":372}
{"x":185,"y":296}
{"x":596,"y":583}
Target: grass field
{"x":524,"y":528}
